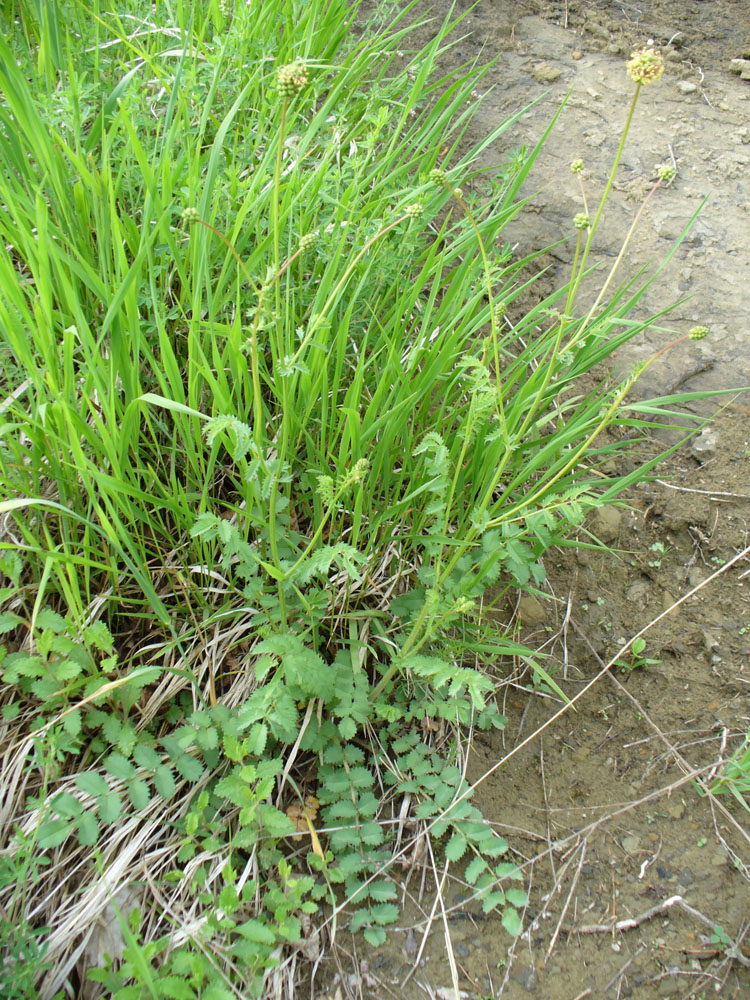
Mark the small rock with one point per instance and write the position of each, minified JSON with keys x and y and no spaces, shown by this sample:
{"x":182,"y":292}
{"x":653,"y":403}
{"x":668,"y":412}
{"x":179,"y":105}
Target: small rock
{"x":670,"y":987}
{"x":605,"y":524}
{"x":637,"y":594}
{"x":686,"y":87}
{"x":576,"y":55}
{"x":631,"y":845}
{"x":531,"y":612}
{"x":718,"y":859}
{"x":599,"y":31}
{"x":710,"y":641}
{"x":675,"y":809}
{"x":546,"y":72}
{"x":704,"y":446}
{"x":666,"y":600}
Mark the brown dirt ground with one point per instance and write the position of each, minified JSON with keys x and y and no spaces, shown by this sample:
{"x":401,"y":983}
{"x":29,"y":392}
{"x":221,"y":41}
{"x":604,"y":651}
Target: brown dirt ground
{"x":600,"y":807}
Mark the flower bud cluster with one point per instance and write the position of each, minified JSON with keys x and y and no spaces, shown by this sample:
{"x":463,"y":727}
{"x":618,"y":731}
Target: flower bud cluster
{"x":665,"y":172}
{"x":308,"y":242}
{"x":291,"y":79}
{"x":645,"y":66}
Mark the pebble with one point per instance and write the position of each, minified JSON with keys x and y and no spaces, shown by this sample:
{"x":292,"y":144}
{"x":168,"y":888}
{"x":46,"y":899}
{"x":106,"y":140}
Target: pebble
{"x":631,"y":844}
{"x":637,"y":594}
{"x":605,"y":524}
{"x":686,"y":87}
{"x":704,"y":446}
{"x":531,"y":612}
{"x":546,"y":73}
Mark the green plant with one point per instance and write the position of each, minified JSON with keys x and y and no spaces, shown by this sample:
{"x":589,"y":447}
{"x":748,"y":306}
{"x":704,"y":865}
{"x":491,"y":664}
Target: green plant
{"x":270,"y":446}
{"x":735,"y":775}
{"x":637,"y":661}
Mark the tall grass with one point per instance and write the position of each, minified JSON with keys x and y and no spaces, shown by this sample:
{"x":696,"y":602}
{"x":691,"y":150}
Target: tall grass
{"x":268,"y":433}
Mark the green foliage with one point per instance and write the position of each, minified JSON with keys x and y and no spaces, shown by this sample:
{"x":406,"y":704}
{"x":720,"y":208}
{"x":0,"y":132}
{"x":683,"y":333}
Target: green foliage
{"x":266,"y":446}
{"x":735,"y":776}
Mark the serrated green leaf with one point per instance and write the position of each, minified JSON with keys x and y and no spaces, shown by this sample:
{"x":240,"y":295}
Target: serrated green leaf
{"x":99,"y":636}
{"x":174,"y":988}
{"x":343,"y":809}
{"x":139,"y":794}
{"x":256,"y":739}
{"x":88,"y":828}
{"x":495,"y":847}
{"x":146,"y":757}
{"x":164,"y":782}
{"x":189,"y":767}
{"x":72,"y":723}
{"x":49,"y":619}
{"x":110,"y":807}
{"x":66,"y":806}
{"x":474,"y":869}
{"x":257,"y":932}
{"x":228,"y":899}
{"x":456,"y":847}
{"x":92,"y":783}
{"x":511,"y":921}
{"x":53,"y":832}
{"x":119,"y":767}
{"x":8,"y":621}
{"x":517,"y":897}
{"x":275,"y":823}
{"x":384,"y":913}
{"x":111,"y":729}
{"x":127,"y":738}
{"x":381,"y":892}
{"x":493,"y":900}
{"x":371,"y":833}
{"x":361,"y":777}
{"x":374,"y":936}
{"x":215,"y":991}
{"x":347,"y":728}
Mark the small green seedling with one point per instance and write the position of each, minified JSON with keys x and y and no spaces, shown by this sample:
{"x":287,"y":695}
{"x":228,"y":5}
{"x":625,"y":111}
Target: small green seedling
{"x":637,"y":660}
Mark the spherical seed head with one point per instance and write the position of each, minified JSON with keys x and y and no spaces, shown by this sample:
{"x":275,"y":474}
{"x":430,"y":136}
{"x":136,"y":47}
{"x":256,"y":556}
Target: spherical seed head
{"x":190,"y":215}
{"x":308,"y":242}
{"x":291,"y":78}
{"x":415,"y":210}
{"x":576,"y":167}
{"x":698,"y":332}
{"x":645,"y":66}
{"x":437,"y":176}
{"x":501,"y":309}
{"x":665,"y":172}
{"x":582,"y":221}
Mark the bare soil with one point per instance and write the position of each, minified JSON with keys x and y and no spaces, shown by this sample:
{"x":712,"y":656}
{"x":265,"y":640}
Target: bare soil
{"x":601,"y":807}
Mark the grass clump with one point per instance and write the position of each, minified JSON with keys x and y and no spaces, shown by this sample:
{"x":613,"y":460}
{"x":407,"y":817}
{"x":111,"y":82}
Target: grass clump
{"x":268,"y":441}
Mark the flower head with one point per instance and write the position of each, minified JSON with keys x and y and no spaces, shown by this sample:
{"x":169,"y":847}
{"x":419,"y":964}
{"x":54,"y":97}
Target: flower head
{"x":698,"y":332}
{"x":190,"y":215}
{"x":415,"y":210}
{"x":291,"y":78}
{"x":582,"y":221}
{"x":576,"y":167}
{"x":645,"y":65}
{"x":437,"y":176}
{"x":307,"y":242}
{"x":666,"y":172}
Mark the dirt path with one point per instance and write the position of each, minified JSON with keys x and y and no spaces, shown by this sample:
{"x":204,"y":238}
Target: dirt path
{"x":600,"y":808}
